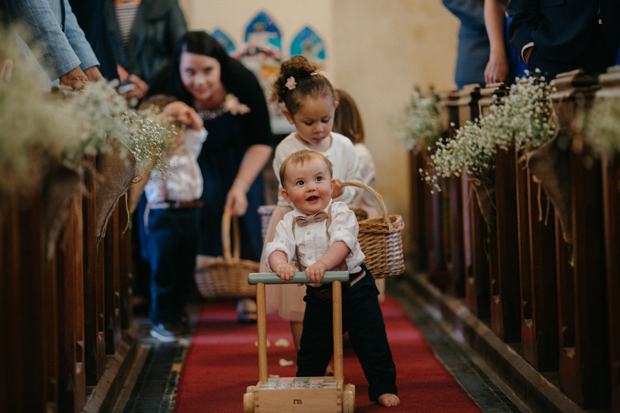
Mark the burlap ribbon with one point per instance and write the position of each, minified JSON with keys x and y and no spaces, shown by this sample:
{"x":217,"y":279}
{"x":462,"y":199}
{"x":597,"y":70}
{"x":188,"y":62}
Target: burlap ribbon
{"x":550,"y":166}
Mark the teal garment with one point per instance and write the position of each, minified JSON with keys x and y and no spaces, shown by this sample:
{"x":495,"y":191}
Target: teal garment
{"x":473,"y":47}
{"x":157,"y":27}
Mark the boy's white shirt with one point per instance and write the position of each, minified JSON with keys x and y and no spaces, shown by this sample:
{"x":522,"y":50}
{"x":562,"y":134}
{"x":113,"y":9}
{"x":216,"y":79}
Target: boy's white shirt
{"x":367,"y":170}
{"x":312,"y":241}
{"x":183,"y":182}
{"x":341,"y":154}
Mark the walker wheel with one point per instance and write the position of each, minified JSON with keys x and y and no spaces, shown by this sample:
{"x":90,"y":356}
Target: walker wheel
{"x":248,"y":402}
{"x":351,"y":388}
{"x":348,"y":401}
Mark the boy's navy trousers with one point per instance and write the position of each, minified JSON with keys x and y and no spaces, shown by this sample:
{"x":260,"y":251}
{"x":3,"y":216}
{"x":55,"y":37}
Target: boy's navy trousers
{"x":363,"y":319}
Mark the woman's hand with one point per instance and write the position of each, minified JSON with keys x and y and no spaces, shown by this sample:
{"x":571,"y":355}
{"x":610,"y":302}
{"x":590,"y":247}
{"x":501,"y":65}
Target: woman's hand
{"x":337,"y":189}
{"x":316,"y":271}
{"x":497,"y":69}
{"x":237,"y":201}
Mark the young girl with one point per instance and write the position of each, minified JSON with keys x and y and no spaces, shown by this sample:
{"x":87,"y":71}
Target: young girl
{"x":348,"y":121}
{"x":310,"y":104}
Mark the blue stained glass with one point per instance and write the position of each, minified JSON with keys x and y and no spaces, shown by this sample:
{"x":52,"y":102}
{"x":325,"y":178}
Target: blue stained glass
{"x":224,"y":40}
{"x":309,"y":44}
{"x":262,"y":30}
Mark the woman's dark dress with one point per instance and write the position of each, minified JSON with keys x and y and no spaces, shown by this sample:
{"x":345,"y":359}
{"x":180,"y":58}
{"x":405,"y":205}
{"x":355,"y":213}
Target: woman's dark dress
{"x":229,"y":137}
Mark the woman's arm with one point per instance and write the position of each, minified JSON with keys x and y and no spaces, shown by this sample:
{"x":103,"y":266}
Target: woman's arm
{"x":497,"y":69}
{"x":252,"y":164}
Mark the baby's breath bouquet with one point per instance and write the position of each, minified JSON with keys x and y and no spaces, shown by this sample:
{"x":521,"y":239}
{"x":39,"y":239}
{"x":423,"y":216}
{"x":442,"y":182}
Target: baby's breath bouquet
{"x":523,"y":117}
{"x":97,"y":111}
{"x":34,"y":130}
{"x":468,"y":153}
{"x":419,"y":124}
{"x":148,"y":138}
{"x":602,"y":125}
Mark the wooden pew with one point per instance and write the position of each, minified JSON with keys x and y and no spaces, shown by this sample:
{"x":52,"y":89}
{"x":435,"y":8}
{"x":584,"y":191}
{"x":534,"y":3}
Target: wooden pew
{"x":475,"y":230}
{"x":457,"y":239}
{"x":610,"y":87}
{"x":539,"y":295}
{"x":94,"y":338}
{"x":52,"y":296}
{"x":584,"y":335}
{"x":504,"y":266}
{"x":126,"y":265}
{"x":70,"y":306}
{"x":420,"y":211}
{"x":28,"y":373}
{"x":111,"y":242}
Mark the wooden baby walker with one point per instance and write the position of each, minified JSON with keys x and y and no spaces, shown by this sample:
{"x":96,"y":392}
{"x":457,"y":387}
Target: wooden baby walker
{"x":299,"y":394}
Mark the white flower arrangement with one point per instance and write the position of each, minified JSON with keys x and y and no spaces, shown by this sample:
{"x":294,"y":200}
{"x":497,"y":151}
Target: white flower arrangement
{"x":148,"y":138}
{"x":103,"y":116}
{"x":419,"y":124}
{"x":602,"y":125}
{"x":523,"y":118}
{"x":39,"y":128}
{"x":467,"y":153}
{"x":34,"y":129}
{"x":97,"y":110}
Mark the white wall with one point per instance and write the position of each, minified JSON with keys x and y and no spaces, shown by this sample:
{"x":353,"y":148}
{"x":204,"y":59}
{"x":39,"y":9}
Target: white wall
{"x":381,"y":50}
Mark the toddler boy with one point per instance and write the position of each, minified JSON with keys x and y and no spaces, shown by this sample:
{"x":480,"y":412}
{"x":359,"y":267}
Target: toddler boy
{"x":322,"y":236}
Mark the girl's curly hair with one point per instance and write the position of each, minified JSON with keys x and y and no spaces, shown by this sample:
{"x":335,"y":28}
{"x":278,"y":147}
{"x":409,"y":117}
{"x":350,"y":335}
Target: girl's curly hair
{"x":308,"y":83}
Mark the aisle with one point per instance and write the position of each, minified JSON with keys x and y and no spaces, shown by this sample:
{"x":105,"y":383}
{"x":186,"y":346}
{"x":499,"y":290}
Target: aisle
{"x":222,"y":362}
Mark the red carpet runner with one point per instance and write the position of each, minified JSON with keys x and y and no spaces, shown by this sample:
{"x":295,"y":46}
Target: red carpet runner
{"x":222,"y":361}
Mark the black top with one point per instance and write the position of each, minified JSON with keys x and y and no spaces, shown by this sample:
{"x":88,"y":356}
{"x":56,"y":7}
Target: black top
{"x":90,"y":17}
{"x":229,"y":137}
{"x":561,"y":29}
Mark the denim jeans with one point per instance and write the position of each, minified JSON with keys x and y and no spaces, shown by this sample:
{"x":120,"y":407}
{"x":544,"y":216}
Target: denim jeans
{"x":172,"y":244}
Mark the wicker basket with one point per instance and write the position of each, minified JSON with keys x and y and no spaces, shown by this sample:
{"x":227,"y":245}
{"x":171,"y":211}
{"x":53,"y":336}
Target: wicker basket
{"x":226,"y":277}
{"x":380,"y":239}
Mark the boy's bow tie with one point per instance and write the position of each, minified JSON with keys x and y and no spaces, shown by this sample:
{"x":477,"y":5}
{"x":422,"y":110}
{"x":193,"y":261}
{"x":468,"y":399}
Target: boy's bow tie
{"x":318,"y":216}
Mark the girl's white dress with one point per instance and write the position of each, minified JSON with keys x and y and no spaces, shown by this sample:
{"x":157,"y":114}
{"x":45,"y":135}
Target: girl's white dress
{"x":367,"y":169}
{"x":288,"y":301}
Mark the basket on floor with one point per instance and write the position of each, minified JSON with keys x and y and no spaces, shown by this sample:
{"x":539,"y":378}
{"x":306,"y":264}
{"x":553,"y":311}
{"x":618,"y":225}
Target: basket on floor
{"x":227,"y":276}
{"x":381,"y":240}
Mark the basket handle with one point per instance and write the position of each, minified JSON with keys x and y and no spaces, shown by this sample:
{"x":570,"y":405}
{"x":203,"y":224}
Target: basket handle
{"x":226,"y":218}
{"x":377,"y":196}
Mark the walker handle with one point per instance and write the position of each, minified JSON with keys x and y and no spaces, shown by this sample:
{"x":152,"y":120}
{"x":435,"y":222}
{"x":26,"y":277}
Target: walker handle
{"x":298,"y":278}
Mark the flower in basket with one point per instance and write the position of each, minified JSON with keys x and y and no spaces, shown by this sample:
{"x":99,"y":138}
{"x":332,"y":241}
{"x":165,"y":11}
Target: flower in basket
{"x":419,"y":124}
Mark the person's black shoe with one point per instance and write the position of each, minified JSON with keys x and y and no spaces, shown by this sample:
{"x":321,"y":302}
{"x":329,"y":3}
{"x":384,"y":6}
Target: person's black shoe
{"x":166,"y":332}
